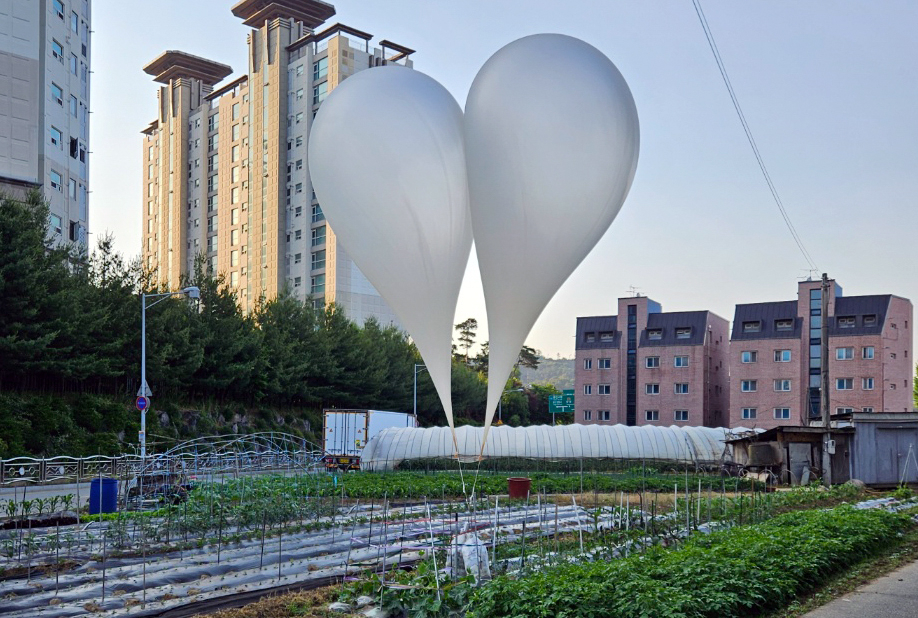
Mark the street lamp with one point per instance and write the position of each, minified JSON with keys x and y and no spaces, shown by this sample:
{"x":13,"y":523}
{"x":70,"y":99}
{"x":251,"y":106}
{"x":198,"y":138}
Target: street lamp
{"x":500,"y":417}
{"x":144,"y":390}
{"x":423,"y":367}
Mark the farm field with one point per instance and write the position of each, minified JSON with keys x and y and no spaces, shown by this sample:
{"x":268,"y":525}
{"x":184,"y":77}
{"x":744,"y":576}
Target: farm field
{"x":255,"y":534}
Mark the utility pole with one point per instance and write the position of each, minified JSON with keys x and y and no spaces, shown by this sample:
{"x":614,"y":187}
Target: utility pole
{"x":827,"y":443}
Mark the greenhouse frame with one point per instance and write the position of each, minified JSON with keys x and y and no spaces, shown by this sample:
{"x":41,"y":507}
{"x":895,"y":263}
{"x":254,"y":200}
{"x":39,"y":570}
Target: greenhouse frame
{"x":686,"y":445}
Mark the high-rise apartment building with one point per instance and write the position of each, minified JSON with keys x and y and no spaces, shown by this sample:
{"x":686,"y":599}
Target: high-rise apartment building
{"x":225,"y":173}
{"x":45,"y":54}
{"x":776,"y":357}
{"x":646,"y":367}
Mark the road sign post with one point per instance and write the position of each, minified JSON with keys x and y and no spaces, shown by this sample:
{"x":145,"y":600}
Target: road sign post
{"x":561,"y":404}
{"x":142,"y":403}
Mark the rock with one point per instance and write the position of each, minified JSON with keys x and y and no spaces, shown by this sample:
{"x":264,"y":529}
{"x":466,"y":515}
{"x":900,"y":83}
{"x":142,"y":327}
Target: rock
{"x":364,"y":601}
{"x":858,"y":483}
{"x":344,"y":608}
{"x":376,"y":612}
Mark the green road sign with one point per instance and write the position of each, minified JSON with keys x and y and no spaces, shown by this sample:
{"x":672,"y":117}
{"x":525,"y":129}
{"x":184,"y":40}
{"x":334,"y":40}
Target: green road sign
{"x":561,"y":404}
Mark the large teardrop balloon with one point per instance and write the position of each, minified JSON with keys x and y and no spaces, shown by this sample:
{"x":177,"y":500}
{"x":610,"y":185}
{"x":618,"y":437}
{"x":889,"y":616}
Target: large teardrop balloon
{"x":551,"y":139}
{"x":387,"y":163}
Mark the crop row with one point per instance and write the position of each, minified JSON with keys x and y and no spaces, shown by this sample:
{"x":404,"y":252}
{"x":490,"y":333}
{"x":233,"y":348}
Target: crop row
{"x":740,"y":571}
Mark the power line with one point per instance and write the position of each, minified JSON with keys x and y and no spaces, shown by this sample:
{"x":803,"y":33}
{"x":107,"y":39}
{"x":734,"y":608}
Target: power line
{"x":755,"y":149}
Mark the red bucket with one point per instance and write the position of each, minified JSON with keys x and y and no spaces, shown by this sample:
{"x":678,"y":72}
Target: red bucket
{"x":518,"y":487}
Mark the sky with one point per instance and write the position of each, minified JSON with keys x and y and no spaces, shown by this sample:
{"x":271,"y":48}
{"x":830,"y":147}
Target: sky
{"x":828,"y":88}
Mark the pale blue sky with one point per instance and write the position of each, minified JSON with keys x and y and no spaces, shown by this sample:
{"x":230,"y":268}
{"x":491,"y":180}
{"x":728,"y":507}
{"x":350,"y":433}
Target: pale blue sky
{"x":829,"y":88}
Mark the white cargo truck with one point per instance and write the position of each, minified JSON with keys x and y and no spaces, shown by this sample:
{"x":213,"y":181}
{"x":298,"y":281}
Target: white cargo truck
{"x":348,"y":431}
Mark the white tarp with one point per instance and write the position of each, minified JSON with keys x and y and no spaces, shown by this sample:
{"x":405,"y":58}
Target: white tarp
{"x":682,"y":444}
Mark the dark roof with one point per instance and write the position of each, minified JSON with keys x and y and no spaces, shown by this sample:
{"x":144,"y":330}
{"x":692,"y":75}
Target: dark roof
{"x":767,"y":314}
{"x":858,"y":307}
{"x":697,"y":321}
{"x":595,"y":326}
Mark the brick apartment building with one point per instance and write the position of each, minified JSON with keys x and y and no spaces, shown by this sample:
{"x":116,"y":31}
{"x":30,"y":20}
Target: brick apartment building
{"x":647,"y":367}
{"x":776,"y":356}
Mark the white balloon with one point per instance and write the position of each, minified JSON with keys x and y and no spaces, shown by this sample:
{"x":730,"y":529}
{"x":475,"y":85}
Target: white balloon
{"x":388,"y":166}
{"x":551,"y":139}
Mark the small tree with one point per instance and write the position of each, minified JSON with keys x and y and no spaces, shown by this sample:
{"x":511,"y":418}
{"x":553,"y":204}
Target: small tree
{"x":467,"y":332}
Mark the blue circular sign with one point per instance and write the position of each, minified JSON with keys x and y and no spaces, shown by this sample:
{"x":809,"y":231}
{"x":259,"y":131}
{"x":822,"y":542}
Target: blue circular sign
{"x":142,"y":403}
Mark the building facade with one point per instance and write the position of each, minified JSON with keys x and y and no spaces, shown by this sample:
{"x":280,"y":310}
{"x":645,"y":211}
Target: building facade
{"x":225,"y":173}
{"x":45,"y":54}
{"x":776,"y":357}
{"x":646,"y":367}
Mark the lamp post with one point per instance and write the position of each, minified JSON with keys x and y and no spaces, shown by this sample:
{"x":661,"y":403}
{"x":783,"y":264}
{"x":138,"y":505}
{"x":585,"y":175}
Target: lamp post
{"x":500,"y":412}
{"x":423,"y":367}
{"x":144,"y":390}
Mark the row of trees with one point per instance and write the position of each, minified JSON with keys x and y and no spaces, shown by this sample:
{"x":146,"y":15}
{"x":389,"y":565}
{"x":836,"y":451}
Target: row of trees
{"x":71,"y":324}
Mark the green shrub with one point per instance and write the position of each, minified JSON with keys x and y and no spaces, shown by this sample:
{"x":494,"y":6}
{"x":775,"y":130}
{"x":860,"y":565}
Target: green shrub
{"x":734,"y":572}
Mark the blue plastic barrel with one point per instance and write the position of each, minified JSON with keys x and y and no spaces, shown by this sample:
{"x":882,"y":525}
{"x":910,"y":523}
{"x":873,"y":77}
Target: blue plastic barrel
{"x":103,"y":496}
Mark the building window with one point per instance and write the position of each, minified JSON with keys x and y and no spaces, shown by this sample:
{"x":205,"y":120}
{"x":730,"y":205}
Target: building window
{"x":844,"y":353}
{"x":847,"y":321}
{"x":588,"y":415}
{"x":652,"y":362}
{"x":234,"y":257}
{"x":867,"y":384}
{"x":73,"y":106}
{"x":844,"y":384}
{"x":605,"y":389}
{"x":680,"y":361}
{"x":868,"y":409}
{"x":234,"y":237}
{"x":782,"y":356}
{"x":752,"y":327}
{"x":56,"y":138}
{"x":749,"y":386}
{"x":319,"y":93}
{"x":588,"y":363}
{"x":59,"y":8}
{"x":55,"y":224}
{"x":317,"y":285}
{"x":606,"y":336}
{"x":318,"y":260}
{"x":57,"y":50}
{"x":605,"y":415}
{"x":782,"y":386}
{"x":784,"y":325}
{"x":74,"y":22}
{"x":605,"y":363}
{"x":73,"y":189}
{"x":318,"y":236}
{"x":57,"y":94}
{"x":654,"y":333}
{"x":782,"y":414}
{"x":683,"y":333}
{"x":651,"y":415}
{"x":870,"y":320}
{"x":56,"y":182}
{"x":680,"y":416}
{"x":299,"y":140}
{"x":587,"y":389}
{"x":844,"y":410}
{"x":317,"y":214}
{"x":681,"y":388}
{"x":235,"y":132}
{"x":867,"y":352}
{"x":297,"y":282}
{"x":298,"y":234}
{"x":749,"y":413}
{"x":749,"y":356}
{"x":320,"y":69}
{"x":652,"y":389}
{"x":73,"y":64}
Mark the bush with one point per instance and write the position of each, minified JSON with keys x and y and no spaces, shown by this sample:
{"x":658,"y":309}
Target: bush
{"x":734,"y":572}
